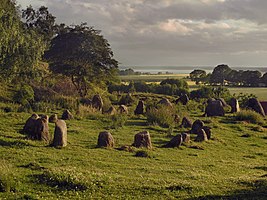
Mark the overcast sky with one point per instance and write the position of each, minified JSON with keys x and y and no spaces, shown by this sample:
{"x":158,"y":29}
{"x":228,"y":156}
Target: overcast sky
{"x":173,"y":32}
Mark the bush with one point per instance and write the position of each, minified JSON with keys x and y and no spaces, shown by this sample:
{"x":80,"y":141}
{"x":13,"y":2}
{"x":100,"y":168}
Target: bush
{"x":210,"y":92}
{"x":126,"y":100}
{"x":162,"y":116}
{"x":249,"y":116}
{"x":118,"y":121}
{"x":25,"y":95}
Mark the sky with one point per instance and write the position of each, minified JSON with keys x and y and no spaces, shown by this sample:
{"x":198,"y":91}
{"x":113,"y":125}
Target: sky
{"x":173,"y":32}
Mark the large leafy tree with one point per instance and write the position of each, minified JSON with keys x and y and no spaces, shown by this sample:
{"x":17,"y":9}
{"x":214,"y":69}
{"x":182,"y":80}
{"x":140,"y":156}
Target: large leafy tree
{"x":220,"y":74}
{"x":82,"y":54}
{"x":20,"y":49}
{"x":198,"y":75}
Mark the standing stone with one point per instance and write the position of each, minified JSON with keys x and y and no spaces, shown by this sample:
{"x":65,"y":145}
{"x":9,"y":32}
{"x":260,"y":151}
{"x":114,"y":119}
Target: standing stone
{"x":186,"y":137}
{"x":41,"y":131}
{"x":139,"y":108}
{"x":177,"y":118}
{"x":198,"y":124}
{"x":214,"y":108}
{"x":29,"y":126}
{"x":176,"y":141}
{"x":165,"y":102}
{"x":67,"y":115}
{"x":255,"y":105}
{"x":111,"y":111}
{"x":142,"y":139}
{"x":97,"y":102}
{"x":184,"y":99}
{"x":53,"y":118}
{"x":207,"y":131}
{"x":201,"y":136}
{"x":60,"y":134}
{"x":224,"y":104}
{"x":105,"y":139}
{"x":234,"y":105}
{"x":186,"y":123}
{"x":123,"y":109}
{"x":264,"y":106}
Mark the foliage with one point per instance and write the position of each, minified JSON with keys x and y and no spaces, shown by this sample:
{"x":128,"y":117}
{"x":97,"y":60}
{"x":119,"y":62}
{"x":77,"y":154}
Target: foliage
{"x":220,"y":74}
{"x":127,"y":99}
{"x":162,"y":116}
{"x":249,"y":116}
{"x":210,"y":92}
{"x":198,"y":75}
{"x":118,"y":120}
{"x":25,"y":95}
{"x":20,"y":49}
{"x":180,"y":83}
{"x":243,"y":99}
{"x":82,"y":54}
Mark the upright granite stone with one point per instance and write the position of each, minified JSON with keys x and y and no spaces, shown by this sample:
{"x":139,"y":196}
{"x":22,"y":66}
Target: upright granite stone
{"x":186,"y":137}
{"x":214,"y":108}
{"x":60,"y":134}
{"x":184,"y":99}
{"x":29,"y":127}
{"x":123,"y":109}
{"x":165,"y":102}
{"x":41,"y":131}
{"x":176,"y":141}
{"x":142,"y":139}
{"x":105,"y":139}
{"x":255,"y":105}
{"x":67,"y":115}
{"x":201,"y":136}
{"x":140,"y":108}
{"x":97,"y":102}
{"x":186,"y":123}
{"x":234,"y":105}
{"x":198,"y":124}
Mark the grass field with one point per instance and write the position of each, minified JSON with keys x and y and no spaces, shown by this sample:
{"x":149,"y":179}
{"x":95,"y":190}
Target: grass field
{"x":151,"y":78}
{"x":227,"y":166}
{"x":261,"y":93}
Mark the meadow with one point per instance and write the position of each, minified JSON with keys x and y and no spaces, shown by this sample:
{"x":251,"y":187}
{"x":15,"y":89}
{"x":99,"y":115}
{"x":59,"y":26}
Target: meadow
{"x":232,"y":165}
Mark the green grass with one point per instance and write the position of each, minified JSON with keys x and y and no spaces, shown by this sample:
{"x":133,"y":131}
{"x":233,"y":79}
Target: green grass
{"x":228,"y":166}
{"x":261,"y":93}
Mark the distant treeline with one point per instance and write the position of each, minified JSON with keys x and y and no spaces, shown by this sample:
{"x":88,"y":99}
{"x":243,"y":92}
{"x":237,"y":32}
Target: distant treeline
{"x":130,"y":71}
{"x":224,"y":75}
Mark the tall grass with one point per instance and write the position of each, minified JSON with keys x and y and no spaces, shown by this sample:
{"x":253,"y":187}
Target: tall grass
{"x":249,"y":116}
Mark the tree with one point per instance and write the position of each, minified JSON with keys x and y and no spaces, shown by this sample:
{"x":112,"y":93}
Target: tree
{"x":197,"y":75}
{"x":264,"y":78}
{"x":82,"y":54}
{"x":219,"y":74}
{"x":20,"y":49}
{"x":178,"y":82}
{"x":251,"y":78}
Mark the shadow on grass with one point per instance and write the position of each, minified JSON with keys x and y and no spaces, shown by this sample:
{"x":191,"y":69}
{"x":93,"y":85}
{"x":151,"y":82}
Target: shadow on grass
{"x":257,"y":190}
{"x":136,"y":123}
{"x":16,"y":144}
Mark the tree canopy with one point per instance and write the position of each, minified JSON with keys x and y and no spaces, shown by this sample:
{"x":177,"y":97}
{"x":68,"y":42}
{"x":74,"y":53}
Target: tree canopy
{"x":82,"y":54}
{"x":20,"y":49}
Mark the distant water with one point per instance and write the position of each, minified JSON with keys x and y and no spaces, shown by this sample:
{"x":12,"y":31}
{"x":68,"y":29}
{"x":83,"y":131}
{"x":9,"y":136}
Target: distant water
{"x":183,"y":69}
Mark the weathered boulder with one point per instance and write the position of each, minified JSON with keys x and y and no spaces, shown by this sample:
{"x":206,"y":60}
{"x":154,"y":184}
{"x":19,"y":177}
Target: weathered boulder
{"x":53,"y":118}
{"x":177,"y":118}
{"x":184,"y":99}
{"x":60,"y":134}
{"x":264,"y":106}
{"x":29,"y":126}
{"x":165,"y":102}
{"x":67,"y":115}
{"x":198,"y":124}
{"x":255,"y":105}
{"x":105,"y":139}
{"x":139,"y":108}
{"x":214,"y":108}
{"x":207,"y":131}
{"x":142,"y":139}
{"x":186,"y":137}
{"x":123,"y":109}
{"x":97,"y":102}
{"x":41,"y":131}
{"x":176,"y":141}
{"x":186,"y":123}
{"x":201,"y":136}
{"x":234,"y":105}
{"x":224,"y":104}
{"x":111,"y":111}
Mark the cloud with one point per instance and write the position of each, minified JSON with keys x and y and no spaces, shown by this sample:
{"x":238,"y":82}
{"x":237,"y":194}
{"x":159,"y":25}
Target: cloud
{"x":171,"y":32}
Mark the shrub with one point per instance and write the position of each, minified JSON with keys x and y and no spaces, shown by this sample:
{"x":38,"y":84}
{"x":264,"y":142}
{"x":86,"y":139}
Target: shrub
{"x":210,"y":92}
{"x":25,"y":95}
{"x":7,"y":182}
{"x":70,"y":103}
{"x":249,"y":116}
{"x":126,"y":100}
{"x":162,"y":116}
{"x":118,"y":121}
